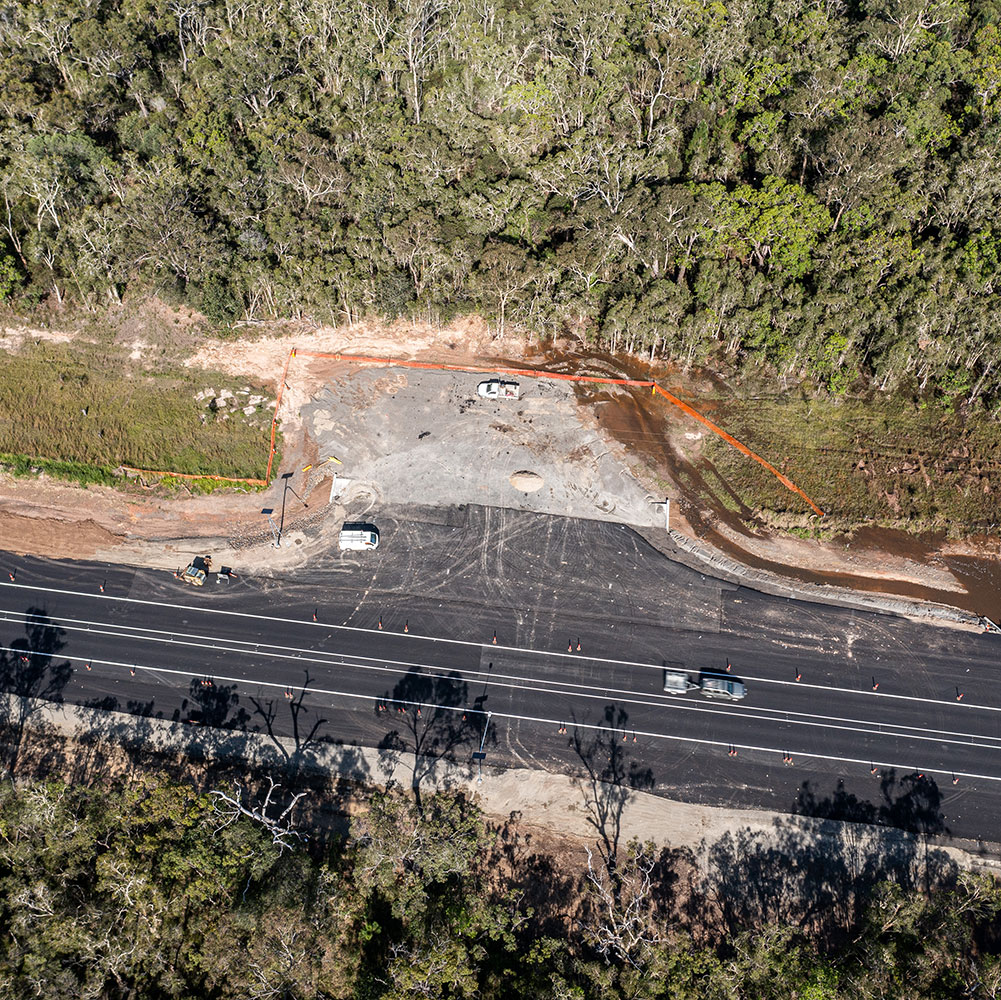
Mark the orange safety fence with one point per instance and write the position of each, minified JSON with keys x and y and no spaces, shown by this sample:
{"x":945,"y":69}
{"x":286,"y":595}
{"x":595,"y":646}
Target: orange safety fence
{"x":187,"y":475}
{"x":784,"y":480}
{"x":532,"y":373}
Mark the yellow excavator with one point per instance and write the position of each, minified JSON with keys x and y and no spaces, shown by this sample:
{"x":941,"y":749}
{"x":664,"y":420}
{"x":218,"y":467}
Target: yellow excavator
{"x":196,"y":571}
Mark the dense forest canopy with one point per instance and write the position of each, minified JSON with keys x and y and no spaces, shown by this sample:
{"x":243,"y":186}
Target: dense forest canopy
{"x":814,"y":185}
{"x":153,"y":891}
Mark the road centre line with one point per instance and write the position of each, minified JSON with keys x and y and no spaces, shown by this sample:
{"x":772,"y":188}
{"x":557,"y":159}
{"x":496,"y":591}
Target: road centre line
{"x":597,"y":728}
{"x":467,"y":643}
{"x":322,"y":657}
{"x":330,"y":659}
{"x":325,"y":658}
{"x":822,"y":723}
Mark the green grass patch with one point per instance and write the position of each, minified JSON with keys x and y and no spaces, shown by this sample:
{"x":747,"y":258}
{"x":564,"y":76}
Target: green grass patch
{"x":79,"y":415}
{"x":79,"y":472}
{"x":884,"y":461}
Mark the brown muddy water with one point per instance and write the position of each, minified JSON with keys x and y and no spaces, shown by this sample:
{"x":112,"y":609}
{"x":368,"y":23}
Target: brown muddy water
{"x":644,"y":424}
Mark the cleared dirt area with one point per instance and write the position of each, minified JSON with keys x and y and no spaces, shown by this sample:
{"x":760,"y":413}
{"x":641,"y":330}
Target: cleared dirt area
{"x":407,"y":436}
{"x":427,"y":437}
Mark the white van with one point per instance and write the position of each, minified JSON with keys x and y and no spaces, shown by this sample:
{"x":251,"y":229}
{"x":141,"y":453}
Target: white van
{"x":357,"y":537}
{"x":677,"y":681}
{"x":721,"y":686}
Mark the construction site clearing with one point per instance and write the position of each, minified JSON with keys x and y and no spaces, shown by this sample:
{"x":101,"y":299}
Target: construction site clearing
{"x":359,"y":434}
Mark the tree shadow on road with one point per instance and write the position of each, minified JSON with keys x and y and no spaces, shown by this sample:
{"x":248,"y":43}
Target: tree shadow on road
{"x":32,"y":675}
{"x":911,"y":802}
{"x":611,"y":777}
{"x":299,"y":750}
{"x":211,"y":704}
{"x":431,"y":719}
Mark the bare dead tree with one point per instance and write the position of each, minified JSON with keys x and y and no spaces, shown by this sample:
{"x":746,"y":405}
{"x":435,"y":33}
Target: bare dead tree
{"x":232,"y":807}
{"x":624,"y":924}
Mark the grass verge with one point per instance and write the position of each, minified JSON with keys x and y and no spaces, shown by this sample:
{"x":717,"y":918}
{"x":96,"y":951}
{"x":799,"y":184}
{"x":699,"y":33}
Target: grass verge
{"x":890,"y":462}
{"x":69,"y":414}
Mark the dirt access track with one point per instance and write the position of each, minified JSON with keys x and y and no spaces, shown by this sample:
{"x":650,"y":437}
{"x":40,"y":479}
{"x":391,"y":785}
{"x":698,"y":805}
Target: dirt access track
{"x":406,"y":436}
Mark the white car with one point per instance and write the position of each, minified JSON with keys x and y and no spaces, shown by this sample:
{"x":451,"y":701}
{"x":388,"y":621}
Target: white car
{"x":358,"y":537}
{"x":495,"y":388}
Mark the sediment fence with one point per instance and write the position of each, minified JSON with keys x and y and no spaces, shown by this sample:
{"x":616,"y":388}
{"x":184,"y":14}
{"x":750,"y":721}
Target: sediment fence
{"x":191,"y":475}
{"x":361,"y":359}
{"x":553,"y":376}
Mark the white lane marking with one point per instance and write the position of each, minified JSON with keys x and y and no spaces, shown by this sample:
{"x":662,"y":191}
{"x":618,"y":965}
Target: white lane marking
{"x":938,"y":702}
{"x":330,"y":659}
{"x":823,"y":723}
{"x":690,"y":740}
{"x":319,"y":624}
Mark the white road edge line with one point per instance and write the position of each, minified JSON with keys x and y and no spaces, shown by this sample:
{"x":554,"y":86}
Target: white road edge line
{"x":482,"y":645}
{"x":587,"y":726}
{"x":861,"y":727}
{"x":320,"y":658}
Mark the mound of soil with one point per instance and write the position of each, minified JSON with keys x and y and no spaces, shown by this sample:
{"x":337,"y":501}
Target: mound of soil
{"x":527,"y":482}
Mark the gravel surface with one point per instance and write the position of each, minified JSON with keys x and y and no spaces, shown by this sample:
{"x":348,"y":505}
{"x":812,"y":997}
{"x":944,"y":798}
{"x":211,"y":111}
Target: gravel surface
{"x":428,"y":438}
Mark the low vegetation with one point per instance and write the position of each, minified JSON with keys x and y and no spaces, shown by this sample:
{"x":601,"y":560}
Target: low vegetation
{"x":891,"y":462}
{"x":80,"y":414}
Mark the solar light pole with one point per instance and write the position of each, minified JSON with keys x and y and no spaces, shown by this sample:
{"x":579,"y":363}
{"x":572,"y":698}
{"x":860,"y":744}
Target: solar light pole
{"x":478,"y":755}
{"x":268,"y":511}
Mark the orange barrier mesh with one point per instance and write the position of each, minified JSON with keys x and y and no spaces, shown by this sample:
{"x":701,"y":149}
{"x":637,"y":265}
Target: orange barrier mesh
{"x":532,"y":373}
{"x":784,"y":480}
{"x":186,"y":475}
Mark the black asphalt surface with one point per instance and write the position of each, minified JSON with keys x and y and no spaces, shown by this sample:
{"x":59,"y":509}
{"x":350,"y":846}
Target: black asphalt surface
{"x":847,"y":713}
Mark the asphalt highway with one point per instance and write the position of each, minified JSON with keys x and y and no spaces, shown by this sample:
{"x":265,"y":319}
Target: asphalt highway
{"x":846,"y":712}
